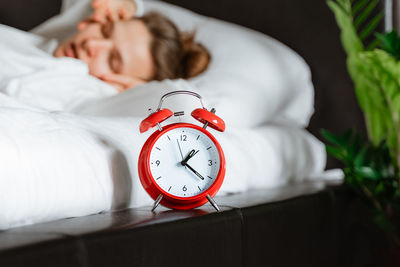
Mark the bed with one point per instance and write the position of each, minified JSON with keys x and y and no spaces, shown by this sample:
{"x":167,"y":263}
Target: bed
{"x":71,"y":142}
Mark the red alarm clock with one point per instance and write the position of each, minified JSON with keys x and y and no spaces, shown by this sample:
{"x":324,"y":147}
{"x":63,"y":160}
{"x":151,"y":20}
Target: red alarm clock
{"x":182,"y":165}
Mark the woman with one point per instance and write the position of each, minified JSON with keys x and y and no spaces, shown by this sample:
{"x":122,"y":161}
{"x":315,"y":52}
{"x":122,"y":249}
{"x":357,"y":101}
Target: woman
{"x":125,"y":51}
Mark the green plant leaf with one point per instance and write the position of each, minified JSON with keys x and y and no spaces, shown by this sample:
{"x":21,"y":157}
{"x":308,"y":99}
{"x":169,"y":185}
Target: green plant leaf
{"x":390,"y":42}
{"x":358,"y":6}
{"x":372,"y":167}
{"x":345,"y":5}
{"x":370,"y":27}
{"x":335,"y":152}
{"x":396,"y":102}
{"x":367,"y":172}
{"x":365,"y":13}
{"x":344,"y":19}
{"x":373,"y":44}
{"x":359,"y":159}
{"x":353,"y":144}
{"x":380,"y":188}
{"x":334,"y":139}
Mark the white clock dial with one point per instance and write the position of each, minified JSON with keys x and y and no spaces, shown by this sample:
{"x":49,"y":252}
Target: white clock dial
{"x":169,"y":151}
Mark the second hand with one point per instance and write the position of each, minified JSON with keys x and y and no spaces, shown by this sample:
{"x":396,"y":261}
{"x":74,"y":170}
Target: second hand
{"x":180,"y":150}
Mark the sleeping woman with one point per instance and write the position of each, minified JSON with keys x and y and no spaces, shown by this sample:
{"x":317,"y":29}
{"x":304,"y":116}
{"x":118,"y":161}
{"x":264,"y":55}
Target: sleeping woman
{"x":125,"y":51}
{"x":113,"y":45}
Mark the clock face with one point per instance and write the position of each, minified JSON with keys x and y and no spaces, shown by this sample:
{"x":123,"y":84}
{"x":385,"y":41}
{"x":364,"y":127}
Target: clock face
{"x":200,"y":171}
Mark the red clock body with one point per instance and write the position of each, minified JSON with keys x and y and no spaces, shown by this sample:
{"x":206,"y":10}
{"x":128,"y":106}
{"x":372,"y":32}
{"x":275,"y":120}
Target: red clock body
{"x":182,"y":186}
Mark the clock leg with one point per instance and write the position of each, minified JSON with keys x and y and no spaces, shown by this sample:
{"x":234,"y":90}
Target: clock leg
{"x":213,"y":203}
{"x":157,"y":202}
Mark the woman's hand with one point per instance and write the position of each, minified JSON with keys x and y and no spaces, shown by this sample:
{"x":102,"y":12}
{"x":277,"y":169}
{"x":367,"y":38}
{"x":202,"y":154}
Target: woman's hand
{"x":110,"y":10}
{"x":121,"y":82}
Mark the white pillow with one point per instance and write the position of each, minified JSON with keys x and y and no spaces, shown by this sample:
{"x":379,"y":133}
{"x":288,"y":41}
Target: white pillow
{"x":252,"y":79}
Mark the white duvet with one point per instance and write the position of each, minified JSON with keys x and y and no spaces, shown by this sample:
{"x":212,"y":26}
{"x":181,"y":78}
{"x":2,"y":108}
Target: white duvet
{"x":69,"y":143}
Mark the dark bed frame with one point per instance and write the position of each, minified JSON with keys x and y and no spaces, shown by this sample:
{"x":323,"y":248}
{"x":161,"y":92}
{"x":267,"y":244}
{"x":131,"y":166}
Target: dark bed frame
{"x":296,"y":225}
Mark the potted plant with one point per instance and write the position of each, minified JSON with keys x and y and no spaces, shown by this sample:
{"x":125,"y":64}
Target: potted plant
{"x":371,"y":166}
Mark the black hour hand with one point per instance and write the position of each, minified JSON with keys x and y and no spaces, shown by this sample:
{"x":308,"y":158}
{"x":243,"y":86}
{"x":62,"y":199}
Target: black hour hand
{"x":189,"y":156}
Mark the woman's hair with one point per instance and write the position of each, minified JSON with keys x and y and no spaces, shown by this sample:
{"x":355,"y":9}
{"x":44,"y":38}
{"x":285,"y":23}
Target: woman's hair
{"x":175,"y":54}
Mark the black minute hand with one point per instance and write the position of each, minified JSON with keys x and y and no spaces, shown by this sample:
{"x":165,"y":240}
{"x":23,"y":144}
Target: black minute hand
{"x":193,"y":170}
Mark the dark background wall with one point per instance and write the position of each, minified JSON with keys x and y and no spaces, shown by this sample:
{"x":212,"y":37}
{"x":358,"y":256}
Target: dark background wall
{"x":26,"y":14}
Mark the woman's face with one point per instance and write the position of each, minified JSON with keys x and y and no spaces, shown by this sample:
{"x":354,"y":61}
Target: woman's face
{"x":121,"y":47}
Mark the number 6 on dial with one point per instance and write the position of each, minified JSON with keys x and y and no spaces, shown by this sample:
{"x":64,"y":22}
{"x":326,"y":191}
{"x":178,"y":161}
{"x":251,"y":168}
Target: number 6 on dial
{"x":182,"y":165}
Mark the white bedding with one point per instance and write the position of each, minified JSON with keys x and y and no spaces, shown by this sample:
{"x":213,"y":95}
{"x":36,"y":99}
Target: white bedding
{"x":69,"y":145}
{"x":58,"y":165}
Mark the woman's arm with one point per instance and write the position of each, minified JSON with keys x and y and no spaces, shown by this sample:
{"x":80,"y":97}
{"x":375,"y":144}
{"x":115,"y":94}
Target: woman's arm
{"x":112,"y":10}
{"x":72,"y":13}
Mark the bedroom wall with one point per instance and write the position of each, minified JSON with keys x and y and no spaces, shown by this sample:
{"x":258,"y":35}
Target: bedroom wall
{"x":25,"y":14}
